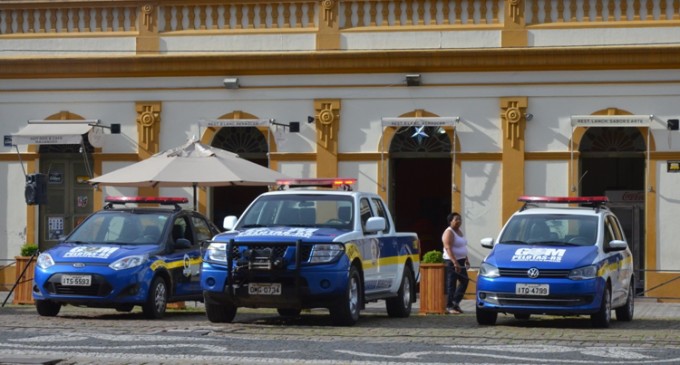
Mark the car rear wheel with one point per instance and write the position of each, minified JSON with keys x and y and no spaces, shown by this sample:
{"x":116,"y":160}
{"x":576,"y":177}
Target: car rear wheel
{"x":220,"y":313}
{"x":289,"y":312}
{"x":486,"y":318}
{"x":47,"y":308}
{"x":602,"y":318}
{"x":346,"y":312}
{"x":400,"y":306}
{"x":157,"y":299}
{"x":625,"y":313}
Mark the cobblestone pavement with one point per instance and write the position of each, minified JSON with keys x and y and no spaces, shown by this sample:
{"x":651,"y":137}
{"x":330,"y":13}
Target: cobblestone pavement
{"x":656,"y":327}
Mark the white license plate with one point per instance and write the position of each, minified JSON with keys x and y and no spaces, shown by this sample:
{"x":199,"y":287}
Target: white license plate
{"x":76,"y":280}
{"x":532,"y":289}
{"x":264,"y":289}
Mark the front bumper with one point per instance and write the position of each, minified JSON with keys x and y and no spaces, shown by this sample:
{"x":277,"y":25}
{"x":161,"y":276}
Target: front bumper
{"x":109,"y":287}
{"x":566,"y":297}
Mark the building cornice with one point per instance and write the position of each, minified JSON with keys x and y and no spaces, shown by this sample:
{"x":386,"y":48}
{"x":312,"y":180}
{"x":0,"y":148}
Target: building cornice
{"x":328,"y":62}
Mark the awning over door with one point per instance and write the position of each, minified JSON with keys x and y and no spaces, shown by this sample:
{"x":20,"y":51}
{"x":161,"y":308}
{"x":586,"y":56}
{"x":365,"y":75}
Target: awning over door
{"x":57,"y":132}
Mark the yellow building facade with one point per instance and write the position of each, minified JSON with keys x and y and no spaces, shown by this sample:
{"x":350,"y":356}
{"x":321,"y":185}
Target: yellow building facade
{"x":436,"y":105}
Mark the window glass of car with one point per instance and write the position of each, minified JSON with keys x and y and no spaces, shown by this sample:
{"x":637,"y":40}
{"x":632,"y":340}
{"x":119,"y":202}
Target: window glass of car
{"x":615,"y":227}
{"x":365,"y":211}
{"x":381,"y":212}
{"x":554,"y":229}
{"x":202,"y":229}
{"x":120,"y":227}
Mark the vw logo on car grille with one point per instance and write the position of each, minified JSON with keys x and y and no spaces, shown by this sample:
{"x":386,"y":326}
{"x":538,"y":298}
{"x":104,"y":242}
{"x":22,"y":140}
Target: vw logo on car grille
{"x":78,"y":264}
{"x":532,"y":273}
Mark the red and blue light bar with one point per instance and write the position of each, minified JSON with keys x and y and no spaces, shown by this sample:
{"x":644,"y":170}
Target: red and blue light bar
{"x":564,"y":199}
{"x":163,"y":200}
{"x":335,"y":182}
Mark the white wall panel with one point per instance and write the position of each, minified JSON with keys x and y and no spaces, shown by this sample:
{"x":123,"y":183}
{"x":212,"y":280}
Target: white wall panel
{"x":481,"y":205}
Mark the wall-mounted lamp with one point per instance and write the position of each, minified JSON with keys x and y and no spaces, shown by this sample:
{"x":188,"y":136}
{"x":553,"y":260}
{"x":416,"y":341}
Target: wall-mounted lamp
{"x":528,"y":117}
{"x":413,"y":80}
{"x":231,"y":83}
{"x":673,"y":124}
{"x":293,"y":127}
{"x":311,"y":119}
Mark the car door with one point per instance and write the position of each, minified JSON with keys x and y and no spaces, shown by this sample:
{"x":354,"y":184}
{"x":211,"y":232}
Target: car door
{"x":389,"y":247}
{"x":184,"y":262}
{"x":624,"y":265}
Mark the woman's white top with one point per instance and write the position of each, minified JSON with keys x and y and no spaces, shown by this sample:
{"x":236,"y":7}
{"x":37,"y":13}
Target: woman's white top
{"x":459,"y":246}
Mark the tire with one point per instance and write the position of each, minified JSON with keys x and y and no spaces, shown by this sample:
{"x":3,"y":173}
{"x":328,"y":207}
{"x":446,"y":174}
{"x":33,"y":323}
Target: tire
{"x":486,"y":318}
{"x":124,"y":307}
{"x":157,"y":299}
{"x":220,"y":313}
{"x":47,"y":308}
{"x":602,"y":318}
{"x":522,"y":316}
{"x":625,"y":313}
{"x":400,"y":306}
{"x":289,"y":312}
{"x":346,"y":312}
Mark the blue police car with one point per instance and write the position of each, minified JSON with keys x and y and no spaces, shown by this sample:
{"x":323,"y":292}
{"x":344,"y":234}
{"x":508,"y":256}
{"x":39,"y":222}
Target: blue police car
{"x":124,"y":256}
{"x":558,"y":261}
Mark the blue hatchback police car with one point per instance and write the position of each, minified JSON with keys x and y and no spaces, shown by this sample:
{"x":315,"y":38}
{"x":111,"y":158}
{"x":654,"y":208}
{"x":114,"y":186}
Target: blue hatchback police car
{"x":123,"y":256}
{"x":562,"y":261}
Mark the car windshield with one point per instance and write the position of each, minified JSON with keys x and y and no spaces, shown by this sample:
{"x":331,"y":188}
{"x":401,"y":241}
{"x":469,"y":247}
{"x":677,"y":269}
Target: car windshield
{"x":121,"y":227}
{"x":300,"y":210}
{"x":551,"y":229}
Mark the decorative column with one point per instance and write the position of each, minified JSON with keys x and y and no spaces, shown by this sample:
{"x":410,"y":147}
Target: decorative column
{"x":513,"y":111}
{"x":328,"y":35}
{"x":148,"y":40}
{"x":148,"y":131}
{"x":514,"y":33}
{"x":327,"y":124}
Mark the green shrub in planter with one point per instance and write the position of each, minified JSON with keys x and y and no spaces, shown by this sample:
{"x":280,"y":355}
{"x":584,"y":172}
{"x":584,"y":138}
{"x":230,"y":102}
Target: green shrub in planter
{"x":433,"y":257}
{"x":29,"y":249}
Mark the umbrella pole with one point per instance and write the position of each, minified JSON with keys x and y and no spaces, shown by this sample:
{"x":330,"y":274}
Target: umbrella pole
{"x":194,"y":185}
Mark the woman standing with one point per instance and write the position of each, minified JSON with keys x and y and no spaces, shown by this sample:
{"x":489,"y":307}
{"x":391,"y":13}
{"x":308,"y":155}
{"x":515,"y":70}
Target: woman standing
{"x":455,"y":255}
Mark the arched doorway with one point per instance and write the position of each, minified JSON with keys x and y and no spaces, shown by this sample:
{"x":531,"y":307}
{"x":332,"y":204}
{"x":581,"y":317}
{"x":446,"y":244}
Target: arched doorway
{"x":612,"y":163}
{"x":69,"y":196}
{"x":249,"y":143}
{"x":420,"y":182}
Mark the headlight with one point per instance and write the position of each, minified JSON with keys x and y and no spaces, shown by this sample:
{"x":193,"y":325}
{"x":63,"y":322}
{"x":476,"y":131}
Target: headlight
{"x":488,"y":271}
{"x":217,"y":252}
{"x":128,"y":262}
{"x":583,"y":273}
{"x":44,"y":261}
{"x":326,"y":252}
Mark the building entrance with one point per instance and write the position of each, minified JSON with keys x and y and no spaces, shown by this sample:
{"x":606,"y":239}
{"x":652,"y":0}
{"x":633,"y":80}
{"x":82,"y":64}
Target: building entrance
{"x":612,"y":163}
{"x":69,"y":196}
{"x":420,"y":183}
{"x":249,"y":143}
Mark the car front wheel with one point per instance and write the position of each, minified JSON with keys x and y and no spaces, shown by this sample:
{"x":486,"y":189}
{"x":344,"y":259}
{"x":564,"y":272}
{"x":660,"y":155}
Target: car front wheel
{"x":220,"y":313}
{"x":346,"y":312}
{"x":602,"y":318}
{"x":157,"y":299}
{"x":47,"y":308}
{"x":486,"y":318}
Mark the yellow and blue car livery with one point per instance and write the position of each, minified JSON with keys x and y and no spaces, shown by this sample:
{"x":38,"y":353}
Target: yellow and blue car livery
{"x":123,"y":257}
{"x":300,"y":249}
{"x":558,"y":261}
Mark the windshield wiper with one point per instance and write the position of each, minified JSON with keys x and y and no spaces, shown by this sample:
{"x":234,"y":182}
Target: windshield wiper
{"x":513,"y":242}
{"x":253,"y":225}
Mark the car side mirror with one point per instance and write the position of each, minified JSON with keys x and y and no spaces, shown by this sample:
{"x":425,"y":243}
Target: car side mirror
{"x":487,"y":242}
{"x":182,"y":243}
{"x":229,"y":222}
{"x":616,"y":245}
{"x":375,"y":224}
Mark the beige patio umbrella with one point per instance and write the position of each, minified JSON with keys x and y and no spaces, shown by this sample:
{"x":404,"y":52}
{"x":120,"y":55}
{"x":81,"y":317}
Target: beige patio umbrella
{"x":192,"y":164}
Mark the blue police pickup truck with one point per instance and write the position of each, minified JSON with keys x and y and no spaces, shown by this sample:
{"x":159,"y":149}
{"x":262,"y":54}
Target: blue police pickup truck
{"x":307,"y":246}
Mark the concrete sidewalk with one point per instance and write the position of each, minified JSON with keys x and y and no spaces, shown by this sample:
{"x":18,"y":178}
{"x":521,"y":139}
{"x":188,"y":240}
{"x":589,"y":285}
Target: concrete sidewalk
{"x":645,"y":308}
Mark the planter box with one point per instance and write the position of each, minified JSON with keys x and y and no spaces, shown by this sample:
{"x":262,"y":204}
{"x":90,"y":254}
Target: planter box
{"x":23,"y":292}
{"x":432,"y":289}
